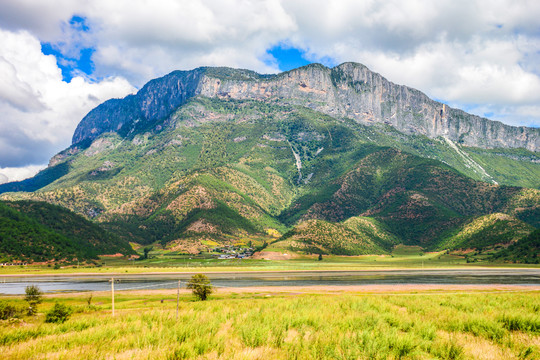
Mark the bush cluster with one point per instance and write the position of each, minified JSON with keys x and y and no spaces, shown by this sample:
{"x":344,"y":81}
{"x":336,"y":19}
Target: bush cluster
{"x":9,"y":311}
{"x":58,"y":314}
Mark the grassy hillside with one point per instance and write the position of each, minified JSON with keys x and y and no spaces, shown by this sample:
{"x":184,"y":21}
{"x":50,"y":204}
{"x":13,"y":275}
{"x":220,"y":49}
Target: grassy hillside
{"x":37,"y":231}
{"x":322,"y":237}
{"x":417,"y":199}
{"x":355,"y":236}
{"x":486,"y":232}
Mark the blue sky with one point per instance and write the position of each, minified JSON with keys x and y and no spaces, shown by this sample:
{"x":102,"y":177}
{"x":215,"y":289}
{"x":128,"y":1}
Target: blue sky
{"x":61,"y":58}
{"x":288,"y":58}
{"x":285,"y":57}
{"x":80,"y":62}
{"x":73,"y":63}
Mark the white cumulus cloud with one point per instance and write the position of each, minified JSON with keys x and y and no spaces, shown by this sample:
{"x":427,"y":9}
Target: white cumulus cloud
{"x":39,"y":111}
{"x":9,"y":174}
{"x":479,"y":56}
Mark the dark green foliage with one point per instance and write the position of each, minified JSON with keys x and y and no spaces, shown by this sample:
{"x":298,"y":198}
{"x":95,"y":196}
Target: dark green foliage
{"x":526,"y":250}
{"x":521,"y":323}
{"x":42,"y":179}
{"x":96,"y":175}
{"x":34,"y":297}
{"x":23,"y":238}
{"x":8,"y":310}
{"x":37,"y":231}
{"x":59,"y":314}
{"x":200,"y":286}
{"x":417,"y":199}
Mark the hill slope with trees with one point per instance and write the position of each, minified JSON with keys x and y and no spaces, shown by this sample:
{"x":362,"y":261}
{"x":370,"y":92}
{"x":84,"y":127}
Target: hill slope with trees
{"x":39,"y":232}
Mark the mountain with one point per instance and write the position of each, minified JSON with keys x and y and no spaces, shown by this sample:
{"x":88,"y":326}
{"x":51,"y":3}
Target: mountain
{"x":395,"y":116}
{"x":349,"y":90}
{"x":325,"y":160}
{"x":37,"y":231}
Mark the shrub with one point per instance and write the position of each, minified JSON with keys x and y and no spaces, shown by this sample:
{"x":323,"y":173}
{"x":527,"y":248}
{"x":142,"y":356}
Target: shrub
{"x":200,"y":286}
{"x":33,"y":297}
{"x":58,"y":314}
{"x":8,"y":311}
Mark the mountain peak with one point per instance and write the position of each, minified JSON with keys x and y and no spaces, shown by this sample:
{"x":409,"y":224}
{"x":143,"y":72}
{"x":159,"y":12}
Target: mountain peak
{"x":349,"y":90}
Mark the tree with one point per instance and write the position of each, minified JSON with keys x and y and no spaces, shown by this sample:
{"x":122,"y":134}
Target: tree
{"x":320,"y":257}
{"x":200,"y":286}
{"x":146,"y":251}
{"x":34,"y":297}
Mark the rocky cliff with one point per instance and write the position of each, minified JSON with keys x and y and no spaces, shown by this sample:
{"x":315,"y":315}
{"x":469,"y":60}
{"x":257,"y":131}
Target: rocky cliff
{"x":346,"y":91}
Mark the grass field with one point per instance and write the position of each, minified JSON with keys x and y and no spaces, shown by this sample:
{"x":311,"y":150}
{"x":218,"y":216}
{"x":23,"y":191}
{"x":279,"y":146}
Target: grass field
{"x":425,"y":325}
{"x":403,"y":257}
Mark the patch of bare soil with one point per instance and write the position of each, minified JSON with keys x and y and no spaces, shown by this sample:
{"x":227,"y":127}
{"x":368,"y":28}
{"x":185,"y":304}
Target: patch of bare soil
{"x":271,"y":255}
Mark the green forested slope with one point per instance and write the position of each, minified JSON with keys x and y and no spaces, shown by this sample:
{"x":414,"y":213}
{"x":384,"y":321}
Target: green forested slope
{"x":37,"y":231}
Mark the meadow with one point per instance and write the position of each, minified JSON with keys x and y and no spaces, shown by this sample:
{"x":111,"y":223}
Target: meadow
{"x":282,"y":325}
{"x":403,"y":257}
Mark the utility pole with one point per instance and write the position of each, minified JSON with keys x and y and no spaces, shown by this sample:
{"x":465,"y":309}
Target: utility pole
{"x":112,"y":293}
{"x":177,"y":299}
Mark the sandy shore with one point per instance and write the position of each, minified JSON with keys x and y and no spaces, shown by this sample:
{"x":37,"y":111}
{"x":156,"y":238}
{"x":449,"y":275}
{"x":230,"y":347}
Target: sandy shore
{"x":406,"y":289}
{"x":269,"y":271}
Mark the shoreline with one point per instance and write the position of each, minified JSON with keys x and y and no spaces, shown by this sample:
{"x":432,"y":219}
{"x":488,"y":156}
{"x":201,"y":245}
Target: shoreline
{"x":255,"y":272}
{"x":361,"y":290}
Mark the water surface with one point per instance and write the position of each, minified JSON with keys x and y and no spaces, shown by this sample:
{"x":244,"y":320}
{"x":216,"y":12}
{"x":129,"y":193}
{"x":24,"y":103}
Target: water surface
{"x":71,"y":283}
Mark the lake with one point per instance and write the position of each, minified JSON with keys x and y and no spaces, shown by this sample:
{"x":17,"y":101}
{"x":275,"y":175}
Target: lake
{"x":14,"y":285}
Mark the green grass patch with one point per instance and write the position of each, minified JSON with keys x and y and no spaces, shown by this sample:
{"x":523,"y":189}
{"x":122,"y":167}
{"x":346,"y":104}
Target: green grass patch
{"x":281,"y":326}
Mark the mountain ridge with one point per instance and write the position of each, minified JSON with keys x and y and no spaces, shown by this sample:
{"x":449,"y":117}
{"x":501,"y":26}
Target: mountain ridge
{"x":349,"y":90}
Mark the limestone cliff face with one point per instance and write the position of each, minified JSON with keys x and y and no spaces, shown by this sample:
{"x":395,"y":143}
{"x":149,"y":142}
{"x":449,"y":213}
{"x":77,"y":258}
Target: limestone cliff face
{"x":348,"y":90}
{"x":156,"y":100}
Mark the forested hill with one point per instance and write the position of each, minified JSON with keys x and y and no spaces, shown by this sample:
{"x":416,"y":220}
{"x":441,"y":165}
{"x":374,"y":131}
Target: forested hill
{"x":37,"y":231}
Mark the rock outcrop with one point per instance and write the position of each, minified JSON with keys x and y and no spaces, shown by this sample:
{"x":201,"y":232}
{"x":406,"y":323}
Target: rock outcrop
{"x":349,"y":90}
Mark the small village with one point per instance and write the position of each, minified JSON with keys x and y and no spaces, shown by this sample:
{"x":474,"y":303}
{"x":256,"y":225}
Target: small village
{"x":232,"y":252}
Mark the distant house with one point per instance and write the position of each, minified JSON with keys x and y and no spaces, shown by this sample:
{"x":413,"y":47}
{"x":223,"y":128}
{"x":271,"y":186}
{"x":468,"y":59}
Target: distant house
{"x":14,"y":263}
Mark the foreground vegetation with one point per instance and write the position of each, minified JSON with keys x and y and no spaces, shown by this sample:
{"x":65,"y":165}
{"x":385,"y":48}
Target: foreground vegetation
{"x":495,"y":325}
